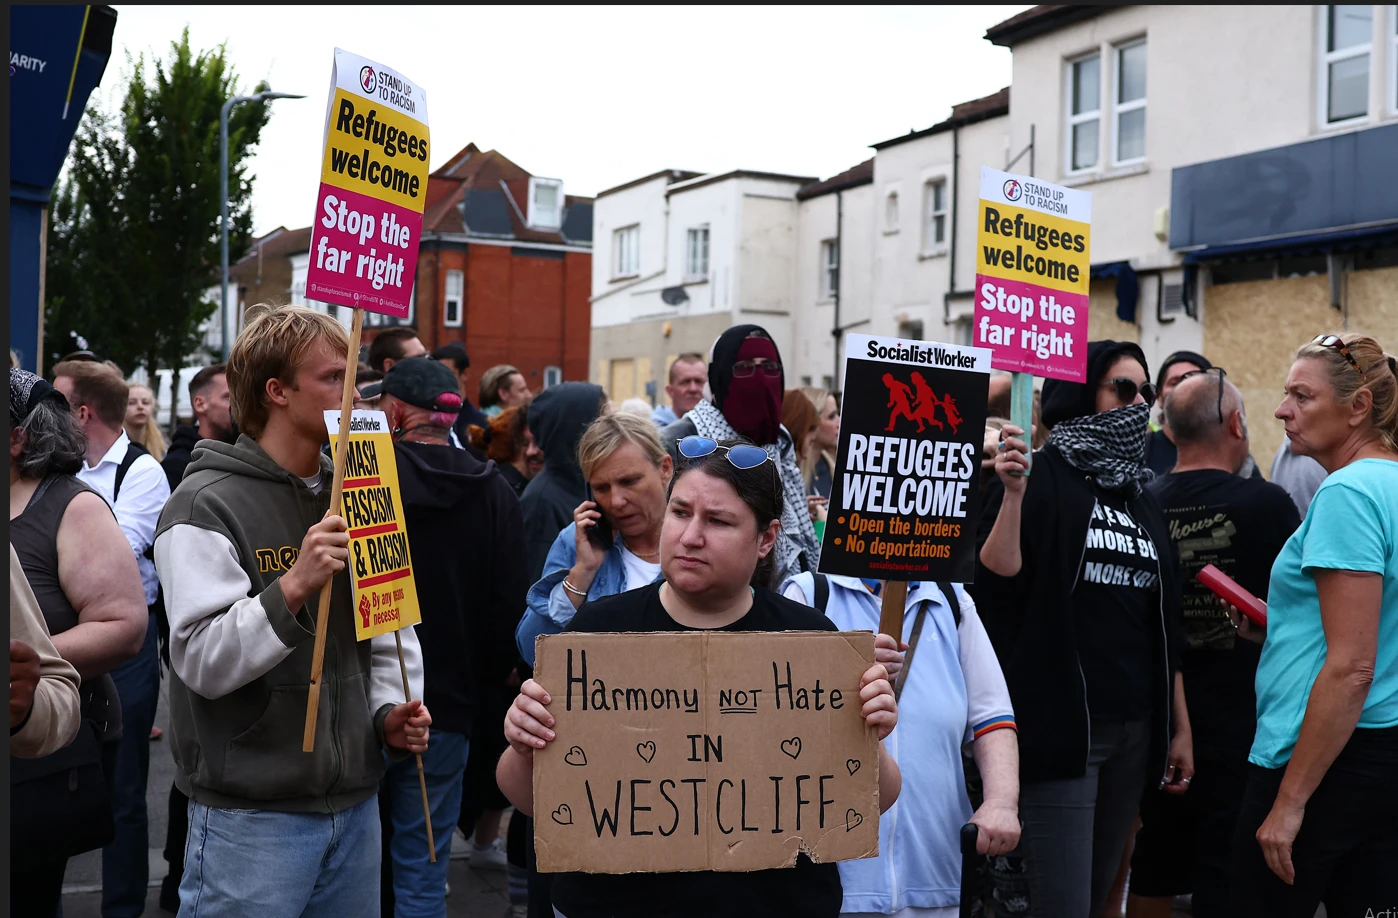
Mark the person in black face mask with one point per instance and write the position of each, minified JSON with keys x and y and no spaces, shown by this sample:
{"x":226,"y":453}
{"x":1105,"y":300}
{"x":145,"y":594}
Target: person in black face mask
{"x":747,"y":380}
{"x":1078,"y":583}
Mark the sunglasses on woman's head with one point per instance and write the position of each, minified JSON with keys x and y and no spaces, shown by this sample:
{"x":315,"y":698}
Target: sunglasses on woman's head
{"x":1127,"y":388}
{"x":745,"y":368}
{"x":742,"y":456}
{"x":1339,"y":345}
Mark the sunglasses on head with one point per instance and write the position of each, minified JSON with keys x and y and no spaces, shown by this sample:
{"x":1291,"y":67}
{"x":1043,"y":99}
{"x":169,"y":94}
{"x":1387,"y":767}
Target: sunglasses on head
{"x":1221,"y":372}
{"x":1339,"y":345}
{"x":742,"y":456}
{"x":1126,"y":389}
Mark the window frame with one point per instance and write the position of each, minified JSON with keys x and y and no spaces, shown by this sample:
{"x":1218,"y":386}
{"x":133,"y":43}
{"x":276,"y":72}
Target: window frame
{"x":1325,"y":58}
{"x":448,"y":298}
{"x":553,"y":375}
{"x":1120,"y":108}
{"x":930,"y":244}
{"x":690,"y":264}
{"x":1071,"y":120}
{"x":829,"y":269}
{"x":620,"y":236}
{"x":892,"y":200}
{"x":1392,"y":62}
{"x":534,"y":213}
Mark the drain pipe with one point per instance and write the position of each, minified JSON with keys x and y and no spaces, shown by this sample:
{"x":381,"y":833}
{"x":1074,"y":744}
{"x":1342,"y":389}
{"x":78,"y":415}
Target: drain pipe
{"x":951,"y":249}
{"x":837,"y":331}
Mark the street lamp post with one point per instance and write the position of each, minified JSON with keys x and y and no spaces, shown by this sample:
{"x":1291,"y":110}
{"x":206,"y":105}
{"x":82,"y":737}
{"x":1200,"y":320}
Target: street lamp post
{"x":225,"y":315}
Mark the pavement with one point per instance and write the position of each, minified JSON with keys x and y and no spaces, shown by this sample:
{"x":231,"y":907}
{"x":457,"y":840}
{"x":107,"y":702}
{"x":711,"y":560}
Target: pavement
{"x":474,"y":893}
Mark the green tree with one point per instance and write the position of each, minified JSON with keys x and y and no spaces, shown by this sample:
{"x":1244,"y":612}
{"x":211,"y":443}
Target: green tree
{"x":134,"y":233}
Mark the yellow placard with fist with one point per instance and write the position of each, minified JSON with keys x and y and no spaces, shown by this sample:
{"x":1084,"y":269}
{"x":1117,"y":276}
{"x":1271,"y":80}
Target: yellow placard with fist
{"x":381,"y":567}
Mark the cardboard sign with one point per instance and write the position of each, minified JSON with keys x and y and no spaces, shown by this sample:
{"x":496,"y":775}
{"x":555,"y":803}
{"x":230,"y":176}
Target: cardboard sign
{"x":1032,"y":261}
{"x":704,"y":751}
{"x":905,"y":494}
{"x":381,"y":567}
{"x":373,"y":188}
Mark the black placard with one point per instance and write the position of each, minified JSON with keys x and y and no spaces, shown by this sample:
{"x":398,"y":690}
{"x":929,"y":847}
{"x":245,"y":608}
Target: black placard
{"x":906,"y":492}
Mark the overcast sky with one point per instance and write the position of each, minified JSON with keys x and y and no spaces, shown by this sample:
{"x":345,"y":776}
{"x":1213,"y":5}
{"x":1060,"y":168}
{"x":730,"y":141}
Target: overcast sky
{"x":597,"y":96}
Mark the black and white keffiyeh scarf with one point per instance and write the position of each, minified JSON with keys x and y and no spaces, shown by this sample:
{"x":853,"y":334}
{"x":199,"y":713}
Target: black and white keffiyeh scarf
{"x":797,"y":535}
{"x":1109,"y":446}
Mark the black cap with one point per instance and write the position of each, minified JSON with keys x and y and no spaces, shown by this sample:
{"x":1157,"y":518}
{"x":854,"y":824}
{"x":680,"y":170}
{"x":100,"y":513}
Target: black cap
{"x":423,"y":382}
{"x":1198,"y":360}
{"x":454,"y":351}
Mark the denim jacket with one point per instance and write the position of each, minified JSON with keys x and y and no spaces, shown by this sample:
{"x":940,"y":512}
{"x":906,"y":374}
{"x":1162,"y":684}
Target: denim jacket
{"x":549,"y":610}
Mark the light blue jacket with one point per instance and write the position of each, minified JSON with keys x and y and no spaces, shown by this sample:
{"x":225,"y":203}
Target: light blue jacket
{"x":919,"y":862}
{"x":548,"y":608}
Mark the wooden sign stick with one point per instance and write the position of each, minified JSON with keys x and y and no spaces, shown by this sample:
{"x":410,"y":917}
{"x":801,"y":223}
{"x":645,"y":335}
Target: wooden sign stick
{"x":895,"y":598}
{"x":421,"y":777}
{"x":308,"y":741}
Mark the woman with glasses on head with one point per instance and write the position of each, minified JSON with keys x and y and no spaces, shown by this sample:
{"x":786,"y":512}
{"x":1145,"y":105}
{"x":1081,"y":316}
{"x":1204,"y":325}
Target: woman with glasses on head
{"x":1077,"y":586}
{"x":1319,"y":819}
{"x":720,"y":528}
{"x":747,"y":380}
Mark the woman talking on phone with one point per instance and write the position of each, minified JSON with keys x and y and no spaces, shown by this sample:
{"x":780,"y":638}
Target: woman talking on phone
{"x":1319,"y":817}
{"x":613,"y":543}
{"x":716,"y":543}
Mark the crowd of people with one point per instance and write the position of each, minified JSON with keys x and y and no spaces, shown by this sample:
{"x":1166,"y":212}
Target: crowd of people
{"x":1117,"y":734}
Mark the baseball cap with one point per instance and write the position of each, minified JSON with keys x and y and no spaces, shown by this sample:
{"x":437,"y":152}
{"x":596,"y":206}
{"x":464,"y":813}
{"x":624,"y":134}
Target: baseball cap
{"x":423,"y":382}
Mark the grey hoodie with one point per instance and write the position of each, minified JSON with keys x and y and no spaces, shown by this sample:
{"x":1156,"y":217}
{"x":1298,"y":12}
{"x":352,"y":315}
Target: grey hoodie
{"x":241,"y":659}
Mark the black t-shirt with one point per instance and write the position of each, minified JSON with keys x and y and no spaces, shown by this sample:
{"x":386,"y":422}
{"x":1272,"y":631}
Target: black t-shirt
{"x":807,"y":889}
{"x":1239,"y":525}
{"x":1117,"y":612}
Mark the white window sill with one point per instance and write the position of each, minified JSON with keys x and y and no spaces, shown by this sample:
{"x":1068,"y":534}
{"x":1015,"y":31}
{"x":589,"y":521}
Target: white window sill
{"x":890,"y":232}
{"x":618,"y":278}
{"x":1105,"y":175}
{"x":695,"y":279}
{"x":937,"y":251}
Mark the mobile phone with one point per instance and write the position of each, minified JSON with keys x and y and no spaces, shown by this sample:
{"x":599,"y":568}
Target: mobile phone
{"x":1229,"y":589}
{"x":600,"y":533}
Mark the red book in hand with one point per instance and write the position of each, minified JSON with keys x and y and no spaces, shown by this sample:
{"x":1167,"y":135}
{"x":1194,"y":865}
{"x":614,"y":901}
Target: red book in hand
{"x":1226,"y":587}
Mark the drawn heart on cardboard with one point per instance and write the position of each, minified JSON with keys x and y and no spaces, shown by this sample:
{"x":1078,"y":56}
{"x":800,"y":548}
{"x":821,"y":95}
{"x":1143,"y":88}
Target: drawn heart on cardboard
{"x":564,"y":815}
{"x":792,"y":747}
{"x":852,"y":765}
{"x":852,"y":820}
{"x":576,"y":756}
{"x":646,"y":751}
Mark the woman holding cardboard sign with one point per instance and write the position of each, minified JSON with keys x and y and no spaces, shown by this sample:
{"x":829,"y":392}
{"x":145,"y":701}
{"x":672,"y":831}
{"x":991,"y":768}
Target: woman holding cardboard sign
{"x":716,"y":542}
{"x":1084,"y":613}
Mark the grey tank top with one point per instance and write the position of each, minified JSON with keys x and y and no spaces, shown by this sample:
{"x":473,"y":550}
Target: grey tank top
{"x":34,"y":534}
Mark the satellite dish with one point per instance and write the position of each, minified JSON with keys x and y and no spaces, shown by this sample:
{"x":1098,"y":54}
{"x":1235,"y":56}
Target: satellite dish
{"x":674,"y":296}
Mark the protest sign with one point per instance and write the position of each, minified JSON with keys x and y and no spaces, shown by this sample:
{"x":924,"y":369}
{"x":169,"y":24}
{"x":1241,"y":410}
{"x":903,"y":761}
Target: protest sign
{"x":381,"y":568}
{"x":905,"y":494}
{"x":1032,"y":262}
{"x":373,"y":188}
{"x":704,"y":751}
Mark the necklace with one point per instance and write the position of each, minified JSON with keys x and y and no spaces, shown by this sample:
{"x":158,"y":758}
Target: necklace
{"x":641,"y":554}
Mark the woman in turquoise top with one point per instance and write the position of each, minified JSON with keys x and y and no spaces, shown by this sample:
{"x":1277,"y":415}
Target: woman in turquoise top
{"x":1322,"y":795}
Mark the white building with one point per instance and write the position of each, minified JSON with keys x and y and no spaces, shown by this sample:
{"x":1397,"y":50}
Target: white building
{"x":677,"y":258}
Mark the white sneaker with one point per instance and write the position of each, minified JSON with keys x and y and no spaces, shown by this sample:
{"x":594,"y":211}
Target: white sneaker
{"x":491,"y":858}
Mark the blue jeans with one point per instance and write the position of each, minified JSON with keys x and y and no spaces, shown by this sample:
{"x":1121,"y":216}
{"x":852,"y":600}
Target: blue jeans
{"x":125,"y":862}
{"x":419,"y":886}
{"x":280,"y":865}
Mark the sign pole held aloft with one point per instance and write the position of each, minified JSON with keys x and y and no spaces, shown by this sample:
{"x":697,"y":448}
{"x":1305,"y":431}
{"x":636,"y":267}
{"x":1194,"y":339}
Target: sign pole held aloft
{"x":1022,"y":406}
{"x":308,"y":741}
{"x":421,"y":775}
{"x":895,"y":597}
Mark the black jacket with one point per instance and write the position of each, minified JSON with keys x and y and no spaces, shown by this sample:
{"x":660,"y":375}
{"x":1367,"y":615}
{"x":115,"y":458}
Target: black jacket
{"x":1031,"y":623}
{"x":557,"y":418}
{"x":467,"y":540}
{"x":178,"y":455}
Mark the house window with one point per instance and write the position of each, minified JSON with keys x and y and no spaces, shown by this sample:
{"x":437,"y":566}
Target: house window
{"x":545,"y":203}
{"x":626,"y":251}
{"x":1084,"y":112}
{"x":451,"y":303}
{"x":1129,"y":103}
{"x":890,"y":213}
{"x":935,"y":194}
{"x":829,"y":269}
{"x":1347,"y":38}
{"x":696,"y":253}
{"x":552,"y":376}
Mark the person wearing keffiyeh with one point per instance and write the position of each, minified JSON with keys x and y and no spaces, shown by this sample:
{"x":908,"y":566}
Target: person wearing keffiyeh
{"x":1077,"y":586}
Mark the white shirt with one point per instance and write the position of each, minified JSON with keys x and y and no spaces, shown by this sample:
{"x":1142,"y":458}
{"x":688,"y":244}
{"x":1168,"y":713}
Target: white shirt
{"x":639,"y":572}
{"x":144,"y":491}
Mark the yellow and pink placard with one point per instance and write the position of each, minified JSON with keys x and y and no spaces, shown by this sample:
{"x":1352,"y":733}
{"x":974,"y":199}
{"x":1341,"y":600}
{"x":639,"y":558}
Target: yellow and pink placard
{"x":373,"y":188}
{"x":1033,"y":255}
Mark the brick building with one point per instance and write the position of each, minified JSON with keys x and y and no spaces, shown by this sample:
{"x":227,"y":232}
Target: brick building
{"x":505,"y":267}
{"x":263,"y":275}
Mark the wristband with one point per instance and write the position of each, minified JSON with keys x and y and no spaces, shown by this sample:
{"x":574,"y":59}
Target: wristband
{"x":572,"y":589}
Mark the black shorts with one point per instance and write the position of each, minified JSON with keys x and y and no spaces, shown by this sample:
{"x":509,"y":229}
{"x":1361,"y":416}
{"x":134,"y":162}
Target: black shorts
{"x":1185,"y":842}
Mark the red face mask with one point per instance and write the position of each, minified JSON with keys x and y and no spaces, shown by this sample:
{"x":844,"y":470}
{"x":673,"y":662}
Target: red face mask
{"x":753,"y":404}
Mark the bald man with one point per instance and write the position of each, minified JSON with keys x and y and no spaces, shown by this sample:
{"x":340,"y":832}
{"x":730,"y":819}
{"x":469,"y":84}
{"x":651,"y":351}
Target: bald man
{"x":1238,"y":524}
